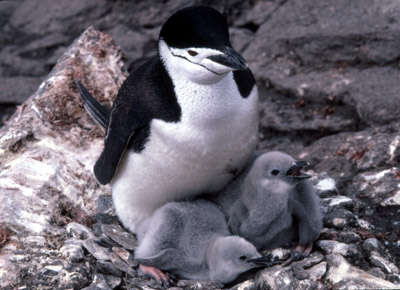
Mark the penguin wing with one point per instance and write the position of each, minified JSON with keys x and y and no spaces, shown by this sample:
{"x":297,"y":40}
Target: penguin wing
{"x":168,"y":259}
{"x":146,"y":94}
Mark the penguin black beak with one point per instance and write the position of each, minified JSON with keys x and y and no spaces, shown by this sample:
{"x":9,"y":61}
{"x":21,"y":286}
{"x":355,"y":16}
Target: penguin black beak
{"x":263,"y":261}
{"x":295,"y":170}
{"x":230,"y":58}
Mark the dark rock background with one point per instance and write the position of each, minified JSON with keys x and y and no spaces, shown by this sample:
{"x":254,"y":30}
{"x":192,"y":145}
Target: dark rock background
{"x":329,"y":83}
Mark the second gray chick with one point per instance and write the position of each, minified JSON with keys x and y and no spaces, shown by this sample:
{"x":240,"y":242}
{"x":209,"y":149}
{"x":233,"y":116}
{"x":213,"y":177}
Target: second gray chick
{"x":272,"y":204}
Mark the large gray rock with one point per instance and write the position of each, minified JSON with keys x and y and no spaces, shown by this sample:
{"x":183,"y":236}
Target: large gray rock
{"x":47,"y":153}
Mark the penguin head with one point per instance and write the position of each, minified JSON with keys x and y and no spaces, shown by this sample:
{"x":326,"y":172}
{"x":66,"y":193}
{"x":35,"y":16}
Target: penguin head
{"x":277,"y":167}
{"x":195,"y":43}
{"x":232,"y":256}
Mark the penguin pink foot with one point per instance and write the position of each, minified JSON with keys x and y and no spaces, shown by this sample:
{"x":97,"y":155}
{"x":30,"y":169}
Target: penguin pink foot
{"x":155,"y":273}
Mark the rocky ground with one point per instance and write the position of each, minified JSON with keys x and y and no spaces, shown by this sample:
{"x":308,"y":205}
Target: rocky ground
{"x":328,"y":77}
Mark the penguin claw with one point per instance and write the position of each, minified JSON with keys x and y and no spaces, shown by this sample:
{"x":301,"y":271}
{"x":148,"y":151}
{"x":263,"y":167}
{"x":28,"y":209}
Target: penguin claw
{"x":299,"y":251}
{"x":161,"y":278}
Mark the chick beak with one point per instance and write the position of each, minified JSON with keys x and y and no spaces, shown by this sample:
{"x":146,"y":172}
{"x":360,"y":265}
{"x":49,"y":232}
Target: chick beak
{"x":230,"y":58}
{"x":295,"y":170}
{"x":263,"y":261}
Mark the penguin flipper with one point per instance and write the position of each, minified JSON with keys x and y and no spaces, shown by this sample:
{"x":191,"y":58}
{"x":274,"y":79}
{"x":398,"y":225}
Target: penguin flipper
{"x":95,"y":109}
{"x":168,"y":259}
{"x":115,"y":144}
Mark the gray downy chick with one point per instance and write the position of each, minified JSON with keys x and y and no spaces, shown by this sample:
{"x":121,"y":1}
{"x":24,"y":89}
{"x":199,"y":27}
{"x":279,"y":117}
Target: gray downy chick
{"x":192,"y":240}
{"x":272,"y":203}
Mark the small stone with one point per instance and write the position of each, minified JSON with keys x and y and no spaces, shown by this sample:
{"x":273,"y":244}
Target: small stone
{"x":324,"y":185}
{"x":193,"y":284}
{"x":377,"y":273}
{"x":108,"y":268}
{"x":299,"y":272}
{"x":339,"y":223}
{"x":127,"y":256}
{"x":72,"y":250}
{"x":344,"y":276}
{"x":113,"y":281}
{"x":314,"y":258}
{"x":120,"y":236}
{"x":333,"y":247}
{"x":79,"y":231}
{"x":246,"y":285}
{"x":276,"y":277}
{"x":372,"y":244}
{"x":97,"y":251}
{"x":317,"y":271}
{"x":394,"y":278}
{"x":122,"y":266}
{"x":340,"y":218}
{"x":99,"y":283}
{"x":380,"y":262}
{"x":349,"y":237}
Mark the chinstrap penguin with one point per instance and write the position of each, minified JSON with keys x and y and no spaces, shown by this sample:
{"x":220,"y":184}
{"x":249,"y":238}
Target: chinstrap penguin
{"x":184,"y":123}
{"x":272,"y":203}
{"x":191,"y":239}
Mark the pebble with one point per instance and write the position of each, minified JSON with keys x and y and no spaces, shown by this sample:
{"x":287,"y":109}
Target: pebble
{"x":79,"y":231}
{"x":119,"y":235}
{"x":72,"y":250}
{"x":324,"y":185}
{"x":97,"y":251}
{"x":125,"y":255}
{"x":377,"y":273}
{"x":108,"y":268}
{"x":317,"y":271}
{"x":372,"y":244}
{"x":333,"y":247}
{"x":349,"y":237}
{"x":99,"y":283}
{"x":113,"y":281}
{"x":122,"y":266}
{"x":380,"y":262}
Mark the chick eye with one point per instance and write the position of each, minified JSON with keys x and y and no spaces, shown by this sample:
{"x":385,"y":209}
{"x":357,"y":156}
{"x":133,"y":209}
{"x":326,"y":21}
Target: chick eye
{"x":275,"y":172}
{"x":242,"y":258}
{"x":192,"y":52}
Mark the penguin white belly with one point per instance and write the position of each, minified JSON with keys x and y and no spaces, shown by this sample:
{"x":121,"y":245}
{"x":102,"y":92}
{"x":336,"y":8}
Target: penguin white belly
{"x":181,"y":160}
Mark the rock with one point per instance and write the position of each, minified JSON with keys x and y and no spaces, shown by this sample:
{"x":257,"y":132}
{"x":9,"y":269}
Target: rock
{"x":372,"y":244}
{"x":340,"y":219}
{"x":380,"y":262}
{"x":97,"y":251}
{"x":317,"y":271}
{"x":113,"y":281}
{"x":120,"y":236}
{"x":79,"y":231}
{"x":377,"y":273}
{"x":324,"y":185}
{"x":333,"y":247}
{"x":99,"y":283}
{"x":108,"y":268}
{"x":126,"y":256}
{"x":122,"y":266}
{"x":191,"y":284}
{"x":246,"y":285}
{"x":342,"y":274}
{"x":349,"y":237}
{"x":73,"y":250}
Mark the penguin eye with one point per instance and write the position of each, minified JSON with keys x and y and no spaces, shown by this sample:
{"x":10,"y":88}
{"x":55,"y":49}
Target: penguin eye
{"x":275,"y":172}
{"x":242,"y":258}
{"x":192,"y":52}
